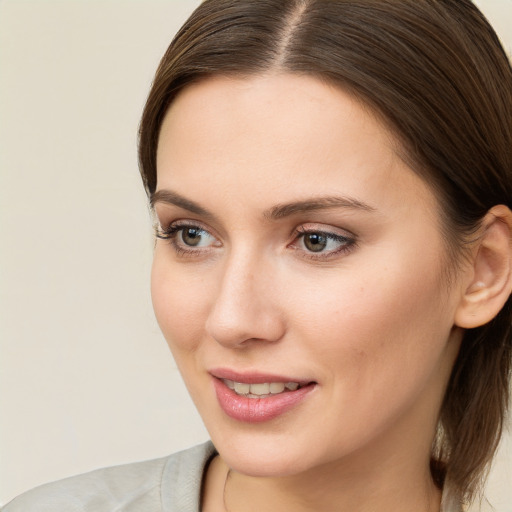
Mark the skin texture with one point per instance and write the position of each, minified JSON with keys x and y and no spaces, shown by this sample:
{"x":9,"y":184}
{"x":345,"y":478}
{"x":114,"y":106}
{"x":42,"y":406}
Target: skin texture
{"x":369,"y":320}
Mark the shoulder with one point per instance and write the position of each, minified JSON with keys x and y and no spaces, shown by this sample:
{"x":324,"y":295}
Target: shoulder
{"x":153,"y":486}
{"x":103,"y":489}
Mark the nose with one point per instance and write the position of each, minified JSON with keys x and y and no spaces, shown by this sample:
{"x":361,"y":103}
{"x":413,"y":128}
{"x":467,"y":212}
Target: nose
{"x":246,"y":306}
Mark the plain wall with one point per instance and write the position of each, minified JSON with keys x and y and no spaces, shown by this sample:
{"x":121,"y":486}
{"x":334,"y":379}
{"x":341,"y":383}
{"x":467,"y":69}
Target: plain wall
{"x":86,"y":379}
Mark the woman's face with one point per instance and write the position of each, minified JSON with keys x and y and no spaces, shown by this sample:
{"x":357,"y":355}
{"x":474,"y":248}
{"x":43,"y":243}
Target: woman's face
{"x":297,"y":248}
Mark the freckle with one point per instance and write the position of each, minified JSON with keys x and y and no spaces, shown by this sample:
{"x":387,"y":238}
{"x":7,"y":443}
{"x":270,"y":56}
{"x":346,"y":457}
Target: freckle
{"x":361,"y":354}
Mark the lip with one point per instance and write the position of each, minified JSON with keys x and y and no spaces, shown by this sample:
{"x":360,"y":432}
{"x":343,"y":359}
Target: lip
{"x":257,"y":410}
{"x":254,"y":377}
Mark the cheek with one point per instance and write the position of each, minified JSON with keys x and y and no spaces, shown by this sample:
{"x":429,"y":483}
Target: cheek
{"x":377,"y":339}
{"x":366,"y":323}
{"x":180,"y":302}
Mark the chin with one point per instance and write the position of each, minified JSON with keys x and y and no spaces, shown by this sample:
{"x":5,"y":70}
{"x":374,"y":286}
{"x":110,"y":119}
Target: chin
{"x":263,"y":464}
{"x":266,"y":454}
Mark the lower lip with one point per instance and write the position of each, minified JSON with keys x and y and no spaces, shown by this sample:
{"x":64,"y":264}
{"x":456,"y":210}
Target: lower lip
{"x":257,"y":410}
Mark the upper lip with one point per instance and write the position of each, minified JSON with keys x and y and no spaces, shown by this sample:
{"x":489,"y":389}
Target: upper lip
{"x":255,"y":377}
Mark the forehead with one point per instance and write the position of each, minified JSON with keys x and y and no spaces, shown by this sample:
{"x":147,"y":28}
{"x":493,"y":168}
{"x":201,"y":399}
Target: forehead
{"x":275,"y":135}
{"x":292,"y":104}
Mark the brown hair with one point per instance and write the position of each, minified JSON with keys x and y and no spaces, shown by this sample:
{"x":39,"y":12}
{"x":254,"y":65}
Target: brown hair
{"x":435,"y":71}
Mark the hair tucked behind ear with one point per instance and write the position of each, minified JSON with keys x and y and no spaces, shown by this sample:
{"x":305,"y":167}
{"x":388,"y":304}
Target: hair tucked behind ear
{"x":435,"y":71}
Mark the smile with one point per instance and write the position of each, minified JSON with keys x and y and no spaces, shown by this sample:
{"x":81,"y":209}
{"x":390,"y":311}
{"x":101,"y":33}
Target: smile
{"x":263,"y":398}
{"x":260,"y":390}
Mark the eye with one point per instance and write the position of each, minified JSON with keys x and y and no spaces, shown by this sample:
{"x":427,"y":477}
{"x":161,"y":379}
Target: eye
{"x":194,"y":237}
{"x":187,"y":238}
{"x":322,"y":244}
{"x":315,"y":242}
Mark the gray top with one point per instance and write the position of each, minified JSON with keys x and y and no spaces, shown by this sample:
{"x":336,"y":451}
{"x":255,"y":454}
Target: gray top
{"x":170,"y":484}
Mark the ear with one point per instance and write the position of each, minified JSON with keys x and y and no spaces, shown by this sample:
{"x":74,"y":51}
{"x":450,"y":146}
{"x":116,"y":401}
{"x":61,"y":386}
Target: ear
{"x":490,"y":282}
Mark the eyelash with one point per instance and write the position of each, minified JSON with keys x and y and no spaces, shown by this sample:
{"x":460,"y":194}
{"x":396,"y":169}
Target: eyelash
{"x":173,"y":230}
{"x":170,"y":233}
{"x":347,"y":243}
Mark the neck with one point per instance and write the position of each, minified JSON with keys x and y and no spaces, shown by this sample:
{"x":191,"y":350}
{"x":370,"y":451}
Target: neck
{"x":387,"y":487}
{"x":390,"y":474}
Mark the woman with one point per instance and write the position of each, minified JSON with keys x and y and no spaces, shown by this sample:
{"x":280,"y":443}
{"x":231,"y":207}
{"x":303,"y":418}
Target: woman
{"x":331,"y":183}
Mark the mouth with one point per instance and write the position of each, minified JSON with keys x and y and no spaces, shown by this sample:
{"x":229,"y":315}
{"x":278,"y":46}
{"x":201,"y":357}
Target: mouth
{"x":255,"y":397}
{"x":261,"y":390}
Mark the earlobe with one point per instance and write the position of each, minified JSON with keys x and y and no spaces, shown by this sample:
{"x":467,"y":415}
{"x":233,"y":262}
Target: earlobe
{"x":491,"y":278}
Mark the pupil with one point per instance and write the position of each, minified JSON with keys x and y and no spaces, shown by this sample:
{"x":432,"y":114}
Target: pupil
{"x":315,"y":242}
{"x":191,"y":236}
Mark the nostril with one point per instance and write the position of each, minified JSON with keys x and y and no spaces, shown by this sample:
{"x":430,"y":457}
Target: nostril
{"x":248,"y":325}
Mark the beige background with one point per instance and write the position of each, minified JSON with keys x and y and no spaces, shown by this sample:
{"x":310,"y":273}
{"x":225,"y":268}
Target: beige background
{"x":86,"y":379}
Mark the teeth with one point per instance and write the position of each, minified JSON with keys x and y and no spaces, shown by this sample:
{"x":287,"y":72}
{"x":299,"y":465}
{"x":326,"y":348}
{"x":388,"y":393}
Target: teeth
{"x":261,"y":390}
{"x":229,"y":383}
{"x":242,"y":388}
{"x":276,"y":387}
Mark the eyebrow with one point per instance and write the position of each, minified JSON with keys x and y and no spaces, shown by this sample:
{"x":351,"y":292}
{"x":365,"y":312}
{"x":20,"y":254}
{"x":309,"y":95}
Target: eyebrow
{"x":277,"y":212}
{"x":321,"y":203}
{"x":170,"y":197}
